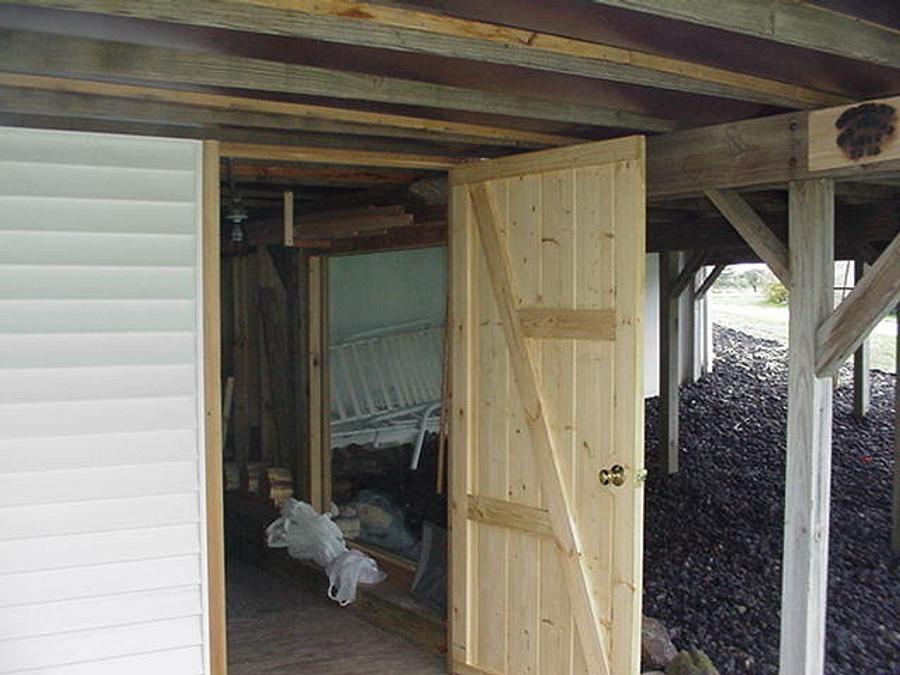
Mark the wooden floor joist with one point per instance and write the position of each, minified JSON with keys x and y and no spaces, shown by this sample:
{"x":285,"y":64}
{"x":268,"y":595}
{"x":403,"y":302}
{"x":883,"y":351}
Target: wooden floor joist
{"x":271,"y":112}
{"x":366,"y":24}
{"x":290,"y":153}
{"x":37,"y":53}
{"x":800,"y":24}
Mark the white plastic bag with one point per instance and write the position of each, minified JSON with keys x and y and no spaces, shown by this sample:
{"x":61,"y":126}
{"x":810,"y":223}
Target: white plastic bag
{"x":347,"y":571}
{"x":306,"y":534}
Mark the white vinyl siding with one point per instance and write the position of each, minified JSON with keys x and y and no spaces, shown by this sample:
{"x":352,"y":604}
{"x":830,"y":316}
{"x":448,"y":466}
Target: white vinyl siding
{"x":102,"y":522}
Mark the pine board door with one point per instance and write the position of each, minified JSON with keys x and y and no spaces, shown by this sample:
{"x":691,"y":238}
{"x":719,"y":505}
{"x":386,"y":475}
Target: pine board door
{"x":547,"y":274}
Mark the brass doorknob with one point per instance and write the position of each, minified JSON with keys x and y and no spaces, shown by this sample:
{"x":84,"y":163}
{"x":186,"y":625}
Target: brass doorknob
{"x":614,"y":475}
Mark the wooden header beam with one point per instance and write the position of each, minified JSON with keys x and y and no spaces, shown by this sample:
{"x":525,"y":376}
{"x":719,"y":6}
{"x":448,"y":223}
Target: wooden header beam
{"x":797,"y":23}
{"x":38,"y":53}
{"x":378,"y":26}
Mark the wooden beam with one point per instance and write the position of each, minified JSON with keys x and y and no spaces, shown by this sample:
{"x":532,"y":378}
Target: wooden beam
{"x":319,"y":406}
{"x":895,"y":504}
{"x":760,"y":237}
{"x":568,"y":324}
{"x":861,"y":377}
{"x":799,"y":24}
{"x":284,"y":114}
{"x":378,"y":26}
{"x":312,"y":155}
{"x":867,"y":304}
{"x":212,"y":404}
{"x":708,"y":282}
{"x":766,"y":151}
{"x":808,"y":474}
{"x":669,"y":363}
{"x":37,"y":53}
{"x":684,"y":279}
{"x":509,"y":514}
{"x":854,"y":134}
{"x":565,"y":530}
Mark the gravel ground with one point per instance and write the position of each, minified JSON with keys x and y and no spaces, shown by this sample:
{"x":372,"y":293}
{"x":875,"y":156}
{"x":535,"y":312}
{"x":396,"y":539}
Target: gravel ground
{"x":713,"y":532}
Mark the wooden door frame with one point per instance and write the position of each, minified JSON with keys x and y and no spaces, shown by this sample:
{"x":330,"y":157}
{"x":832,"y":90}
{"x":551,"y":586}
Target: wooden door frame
{"x":212,"y":397}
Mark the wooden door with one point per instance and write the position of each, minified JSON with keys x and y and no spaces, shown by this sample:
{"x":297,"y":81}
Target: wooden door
{"x":547,"y":276}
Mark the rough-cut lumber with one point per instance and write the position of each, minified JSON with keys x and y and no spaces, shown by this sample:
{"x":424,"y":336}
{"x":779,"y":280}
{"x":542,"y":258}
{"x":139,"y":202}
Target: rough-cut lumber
{"x":759,"y":236}
{"x":395,"y":28}
{"x":808,"y":474}
{"x":577,"y":579}
{"x":669,"y":350}
{"x":861,"y":378}
{"x":285,"y":153}
{"x":867,"y":304}
{"x":212,"y":410}
{"x":290,"y":115}
{"x":709,"y":281}
{"x":276,"y":484}
{"x":797,"y":23}
{"x":288,"y":218}
{"x":37,"y":53}
{"x":508,"y":514}
{"x":568,"y":324}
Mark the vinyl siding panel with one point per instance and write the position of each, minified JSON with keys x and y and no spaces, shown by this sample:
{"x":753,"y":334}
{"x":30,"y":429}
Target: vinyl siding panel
{"x":102,"y":543}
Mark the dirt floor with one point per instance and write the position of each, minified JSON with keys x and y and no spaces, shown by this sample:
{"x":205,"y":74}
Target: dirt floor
{"x":713,"y":532}
{"x":273,"y":630}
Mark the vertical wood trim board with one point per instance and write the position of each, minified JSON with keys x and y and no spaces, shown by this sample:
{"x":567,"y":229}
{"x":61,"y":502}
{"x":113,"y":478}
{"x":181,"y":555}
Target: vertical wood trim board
{"x":808,"y":478}
{"x":212,"y":378}
{"x":538,"y":413}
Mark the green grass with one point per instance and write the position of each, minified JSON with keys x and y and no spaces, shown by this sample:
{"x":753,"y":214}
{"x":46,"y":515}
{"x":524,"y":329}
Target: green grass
{"x":752,"y":314}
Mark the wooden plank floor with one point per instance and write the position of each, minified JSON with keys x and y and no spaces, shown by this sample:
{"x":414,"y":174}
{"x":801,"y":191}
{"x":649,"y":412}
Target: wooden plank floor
{"x":276,"y":630}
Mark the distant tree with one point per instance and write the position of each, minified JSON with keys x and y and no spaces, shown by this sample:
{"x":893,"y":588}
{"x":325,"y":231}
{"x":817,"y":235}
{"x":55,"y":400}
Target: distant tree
{"x":776,"y":293}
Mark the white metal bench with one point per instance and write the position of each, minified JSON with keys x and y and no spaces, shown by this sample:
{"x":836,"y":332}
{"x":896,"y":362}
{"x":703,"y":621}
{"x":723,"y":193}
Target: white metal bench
{"x":386,"y":386}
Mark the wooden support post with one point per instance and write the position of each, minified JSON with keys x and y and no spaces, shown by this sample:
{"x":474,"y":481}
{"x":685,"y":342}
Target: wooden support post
{"x":808,"y":479}
{"x":669,"y":361}
{"x":861,"y":383}
{"x":895,"y":511}
{"x":288,"y":218}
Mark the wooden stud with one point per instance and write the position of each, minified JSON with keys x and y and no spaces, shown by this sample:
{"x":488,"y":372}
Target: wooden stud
{"x":669,"y":363}
{"x":319,"y":406}
{"x":25,"y":52}
{"x":861,"y":379}
{"x":583,"y":603}
{"x":227,"y":401}
{"x":568,"y":324}
{"x":288,"y":218}
{"x":709,"y":281}
{"x":843,"y":330}
{"x":808,"y":474}
{"x":800,"y":24}
{"x":212,"y":397}
{"x":395,"y":28}
{"x":764,"y":242}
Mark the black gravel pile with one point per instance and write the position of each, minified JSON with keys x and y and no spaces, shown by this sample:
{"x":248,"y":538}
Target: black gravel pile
{"x":713,"y":532}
